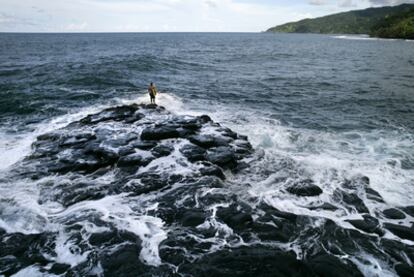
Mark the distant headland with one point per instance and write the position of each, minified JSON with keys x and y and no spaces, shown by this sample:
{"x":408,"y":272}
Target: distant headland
{"x":384,"y":22}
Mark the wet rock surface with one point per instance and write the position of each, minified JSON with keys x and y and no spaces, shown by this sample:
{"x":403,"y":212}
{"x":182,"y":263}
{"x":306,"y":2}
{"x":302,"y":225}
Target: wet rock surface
{"x":305,"y":188}
{"x":368,"y":224}
{"x":117,"y":154}
{"x":138,"y":191}
{"x":401,"y":231}
{"x":393,"y":214}
{"x":122,"y":140}
{"x":409,"y":210}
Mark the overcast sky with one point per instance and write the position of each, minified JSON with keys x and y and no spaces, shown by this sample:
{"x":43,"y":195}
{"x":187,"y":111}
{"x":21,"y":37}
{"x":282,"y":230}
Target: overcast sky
{"x":165,"y":15}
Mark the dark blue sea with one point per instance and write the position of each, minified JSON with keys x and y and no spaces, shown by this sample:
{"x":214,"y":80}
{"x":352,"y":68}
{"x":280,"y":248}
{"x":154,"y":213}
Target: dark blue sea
{"x":332,"y":112}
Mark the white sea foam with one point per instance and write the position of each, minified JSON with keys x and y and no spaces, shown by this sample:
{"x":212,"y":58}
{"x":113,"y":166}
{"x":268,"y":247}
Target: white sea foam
{"x":369,"y":266}
{"x":32,"y":271}
{"x":68,"y":252}
{"x":221,"y":228}
{"x":175,"y":162}
{"x":15,"y":147}
{"x":170,"y":101}
{"x":323,"y":153}
{"x":327,"y":158}
{"x":19,"y":209}
{"x":361,"y":37}
{"x":119,"y":211}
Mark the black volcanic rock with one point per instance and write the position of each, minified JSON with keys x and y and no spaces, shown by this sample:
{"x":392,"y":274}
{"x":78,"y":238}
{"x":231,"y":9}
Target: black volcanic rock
{"x":393,"y":214}
{"x":193,"y":152}
{"x":208,"y":140}
{"x":212,"y":170}
{"x":235,"y":217}
{"x":159,"y":133}
{"x":326,"y":265}
{"x":162,"y":150}
{"x":409,"y":210}
{"x":114,"y":114}
{"x":401,"y":231}
{"x":135,"y":159}
{"x":192,"y":218}
{"x":125,"y":139}
{"x":305,"y":188}
{"x":248,"y":261}
{"x":228,"y":133}
{"x":374,"y":195}
{"x":351,"y":200}
{"x":368,"y":224}
{"x":191,"y":124}
{"x":123,"y":259}
{"x":18,"y":251}
{"x":222,"y":156}
{"x":81,"y":191}
{"x":143,"y":145}
{"x":242,"y":146}
{"x":204,"y":119}
{"x":113,"y":201}
{"x":404,"y":270}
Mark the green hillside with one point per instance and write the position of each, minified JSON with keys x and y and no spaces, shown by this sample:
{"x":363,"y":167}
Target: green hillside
{"x":397,"y":26}
{"x":382,"y":21}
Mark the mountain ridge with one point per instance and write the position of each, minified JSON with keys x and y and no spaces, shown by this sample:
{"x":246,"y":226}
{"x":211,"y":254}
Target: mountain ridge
{"x":387,"y":22}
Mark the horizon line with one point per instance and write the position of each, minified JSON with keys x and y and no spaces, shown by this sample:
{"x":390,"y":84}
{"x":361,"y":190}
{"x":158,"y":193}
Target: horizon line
{"x":131,"y":32}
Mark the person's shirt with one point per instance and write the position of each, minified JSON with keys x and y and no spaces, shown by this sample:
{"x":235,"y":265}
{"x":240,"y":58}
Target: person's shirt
{"x":152,"y":90}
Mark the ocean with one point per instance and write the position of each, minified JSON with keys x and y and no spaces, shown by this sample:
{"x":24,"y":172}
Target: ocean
{"x":335,"y":112}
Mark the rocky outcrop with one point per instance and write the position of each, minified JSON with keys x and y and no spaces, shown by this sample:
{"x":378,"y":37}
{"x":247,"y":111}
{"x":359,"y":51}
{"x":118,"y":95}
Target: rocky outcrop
{"x":138,"y":191}
{"x":136,"y":142}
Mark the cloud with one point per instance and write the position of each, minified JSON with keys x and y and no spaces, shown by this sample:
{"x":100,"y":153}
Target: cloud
{"x":211,"y":3}
{"x":389,"y":2}
{"x":5,"y":18}
{"x":347,"y":3}
{"x":125,"y":6}
{"x":76,"y":27}
{"x":38,"y":10}
{"x":318,"y":2}
{"x":12,"y":20}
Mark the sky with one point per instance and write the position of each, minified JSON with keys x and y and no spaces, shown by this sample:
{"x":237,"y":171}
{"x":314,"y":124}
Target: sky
{"x":166,"y":15}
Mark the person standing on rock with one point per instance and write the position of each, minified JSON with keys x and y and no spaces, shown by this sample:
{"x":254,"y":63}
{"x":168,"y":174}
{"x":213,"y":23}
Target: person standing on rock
{"x":152,"y":92}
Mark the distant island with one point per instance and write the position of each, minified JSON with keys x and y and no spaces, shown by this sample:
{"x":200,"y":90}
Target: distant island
{"x":384,"y":22}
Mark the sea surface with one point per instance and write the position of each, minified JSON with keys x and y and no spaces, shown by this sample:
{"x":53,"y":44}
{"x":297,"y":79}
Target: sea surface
{"x":330,"y":109}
